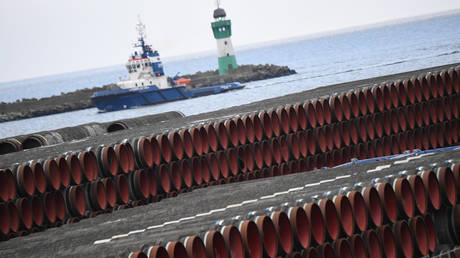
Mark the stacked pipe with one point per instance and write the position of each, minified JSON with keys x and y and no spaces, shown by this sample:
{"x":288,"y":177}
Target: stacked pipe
{"x":409,"y":216}
{"x":420,"y":113}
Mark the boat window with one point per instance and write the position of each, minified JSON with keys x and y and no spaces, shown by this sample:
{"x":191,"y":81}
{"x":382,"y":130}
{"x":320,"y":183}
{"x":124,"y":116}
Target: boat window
{"x":136,"y":84}
{"x":138,"y":66}
{"x":142,"y":84}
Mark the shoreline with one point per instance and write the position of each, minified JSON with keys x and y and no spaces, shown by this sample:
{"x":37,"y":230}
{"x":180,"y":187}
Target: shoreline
{"x":81,"y":99}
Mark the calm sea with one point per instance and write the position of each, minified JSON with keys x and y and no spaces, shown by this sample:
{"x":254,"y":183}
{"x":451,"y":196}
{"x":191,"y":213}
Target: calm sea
{"x":318,"y":61}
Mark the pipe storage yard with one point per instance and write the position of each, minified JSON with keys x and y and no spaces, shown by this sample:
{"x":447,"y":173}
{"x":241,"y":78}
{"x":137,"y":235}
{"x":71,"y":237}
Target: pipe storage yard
{"x":368,"y":168}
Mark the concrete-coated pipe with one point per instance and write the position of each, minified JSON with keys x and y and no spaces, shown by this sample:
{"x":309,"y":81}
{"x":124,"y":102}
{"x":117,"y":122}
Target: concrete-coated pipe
{"x":337,"y":157}
{"x":359,"y":210}
{"x":49,"y":207}
{"x":122,"y":156}
{"x":140,"y":184}
{"x":454,"y":106}
{"x":370,"y":100}
{"x":251,"y":239}
{"x":267,"y":153}
{"x":447,"y":185}
{"x":329,"y":138}
{"x":378,"y":147}
{"x":420,"y":195}
{"x":345,"y":214}
{"x":233,"y":240}
{"x":440,"y":84}
{"x":275,"y":151}
{"x":431,"y":232}
{"x":24,"y":207}
{"x":318,"y":107}
{"x":39,"y":177}
{"x":197,"y":170}
{"x":165,"y":179}
{"x":432,"y":187}
{"x":448,"y":89}
{"x":232,"y":158}
{"x":187,"y":141}
{"x":53,"y":175}
{"x":454,"y":78}
{"x":337,"y":135}
{"x":320,"y":160}
{"x":343,"y":249}
{"x":320,"y":136}
{"x":418,"y":91}
{"x":257,"y":151}
{"x":223,"y":164}
{"x":358,"y":246}
{"x":75,"y":200}
{"x":354,"y":104}
{"x":379,"y":98}
{"x":266,"y":123}
{"x":10,"y":145}
{"x":404,"y":240}
{"x":398,"y":121}
{"x":410,"y":91}
{"x":285,"y":123}
{"x":157,"y":252}
{"x":241,"y":130}
{"x":389,"y":202}
{"x":331,"y":219}
{"x":38,"y":214}
{"x":110,"y":192}
{"x":275,"y":122}
{"x":370,"y":127}
{"x":374,"y":205}
{"x":60,"y":206}
{"x":326,"y":251}
{"x":362,"y":103}
{"x":13,"y":216}
{"x":176,"y":250}
{"x":9,"y":178}
{"x":243,"y":156}
{"x":388,"y":241}
{"x":232,"y":132}
{"x":176,"y":144}
{"x":361,"y":151}
{"x":249,"y":129}
{"x":387,"y":122}
{"x":165,"y":146}
{"x":108,"y":162}
{"x":455,"y":129}
{"x":122,"y":189}
{"x":258,"y":127}
{"x":378,"y":124}
{"x":96,"y":195}
{"x":394,"y":93}
{"x":292,"y":115}
{"x":267,"y":234}
{"x":336,"y":108}
{"x":310,"y":252}
{"x":327,"y":113}
{"x":138,"y":254}
{"x":386,"y":96}
{"x":419,"y":115}
{"x":283,"y":232}
{"x":311,"y":114}
{"x":64,"y":173}
{"x":205,"y":170}
{"x":300,"y":227}
{"x":284,"y":148}
{"x":419,"y":235}
{"x":373,"y":244}
{"x":222,"y":134}
{"x":195,"y":247}
{"x":395,"y":148}
{"x":205,"y":147}
{"x":4,"y":186}
{"x":88,"y":163}
{"x":310,"y":138}
{"x":4,"y":220}
{"x":426,"y":91}
{"x":301,"y":116}
{"x":293,"y":143}
{"x":362,"y":128}
{"x":24,"y":178}
{"x":405,"y":197}
{"x":302,"y":143}
{"x":316,"y":222}
{"x":432,"y":84}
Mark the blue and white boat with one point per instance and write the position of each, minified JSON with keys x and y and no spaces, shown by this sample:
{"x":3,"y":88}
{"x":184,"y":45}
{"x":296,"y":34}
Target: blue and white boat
{"x":147,"y":83}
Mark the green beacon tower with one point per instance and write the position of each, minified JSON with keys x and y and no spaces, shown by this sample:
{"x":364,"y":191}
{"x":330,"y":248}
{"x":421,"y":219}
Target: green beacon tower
{"x":222,"y":29}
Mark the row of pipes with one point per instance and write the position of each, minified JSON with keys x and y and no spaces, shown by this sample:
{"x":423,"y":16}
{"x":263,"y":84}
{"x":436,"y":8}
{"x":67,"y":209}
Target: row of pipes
{"x":409,"y":216}
{"x":364,"y":123}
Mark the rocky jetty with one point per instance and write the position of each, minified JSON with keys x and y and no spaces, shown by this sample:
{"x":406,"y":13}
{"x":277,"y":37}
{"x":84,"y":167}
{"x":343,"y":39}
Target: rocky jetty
{"x":81,"y":99}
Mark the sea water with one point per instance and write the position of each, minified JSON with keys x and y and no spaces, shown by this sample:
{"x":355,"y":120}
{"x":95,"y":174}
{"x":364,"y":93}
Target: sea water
{"x":319,"y":61}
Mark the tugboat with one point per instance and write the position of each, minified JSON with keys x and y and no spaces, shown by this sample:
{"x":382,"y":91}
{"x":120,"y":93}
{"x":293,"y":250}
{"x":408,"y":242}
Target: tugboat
{"x":147,"y":83}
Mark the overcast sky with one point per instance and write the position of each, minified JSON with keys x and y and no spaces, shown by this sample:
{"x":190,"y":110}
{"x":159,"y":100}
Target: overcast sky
{"x":43,"y":37}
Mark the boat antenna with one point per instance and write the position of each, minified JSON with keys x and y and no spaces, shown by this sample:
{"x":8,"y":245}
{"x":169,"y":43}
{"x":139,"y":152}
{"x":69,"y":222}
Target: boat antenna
{"x":218,"y":3}
{"x":140,"y":27}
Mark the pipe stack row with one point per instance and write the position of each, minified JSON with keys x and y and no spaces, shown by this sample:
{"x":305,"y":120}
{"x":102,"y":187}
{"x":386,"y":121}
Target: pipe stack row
{"x":418,"y":113}
{"x":410,"y":216}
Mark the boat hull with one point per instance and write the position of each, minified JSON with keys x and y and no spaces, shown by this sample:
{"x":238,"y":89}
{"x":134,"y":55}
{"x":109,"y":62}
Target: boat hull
{"x":129,"y":98}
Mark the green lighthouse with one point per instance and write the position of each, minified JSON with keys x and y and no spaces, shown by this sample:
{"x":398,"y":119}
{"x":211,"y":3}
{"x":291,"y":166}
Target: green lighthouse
{"x":222,"y":29}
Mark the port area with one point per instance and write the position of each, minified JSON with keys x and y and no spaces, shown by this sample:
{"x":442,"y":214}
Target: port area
{"x":81,"y":99}
{"x":120,"y":232}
